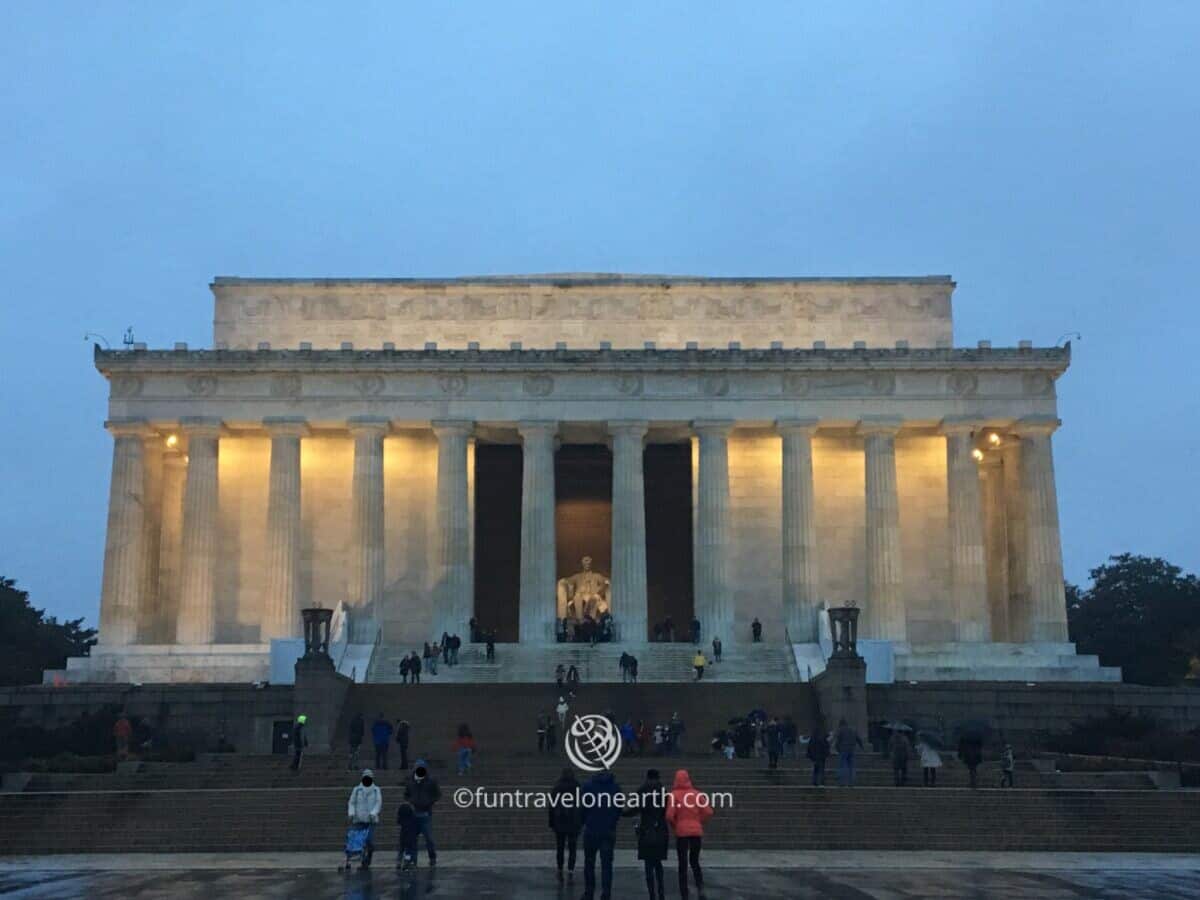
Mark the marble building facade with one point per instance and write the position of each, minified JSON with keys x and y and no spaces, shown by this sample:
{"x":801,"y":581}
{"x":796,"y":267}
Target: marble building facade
{"x":322,"y":451}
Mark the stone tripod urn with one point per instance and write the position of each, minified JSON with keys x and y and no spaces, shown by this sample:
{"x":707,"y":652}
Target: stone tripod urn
{"x":317,"y":622}
{"x":843,"y":627}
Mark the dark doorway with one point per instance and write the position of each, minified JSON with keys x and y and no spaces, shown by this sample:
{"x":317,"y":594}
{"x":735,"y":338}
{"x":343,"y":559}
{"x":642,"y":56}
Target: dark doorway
{"x":668,"y":469}
{"x":583,"y":507}
{"x":498,"y":538}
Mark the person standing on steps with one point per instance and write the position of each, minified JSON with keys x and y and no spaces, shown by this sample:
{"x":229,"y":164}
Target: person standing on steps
{"x":551,"y":733}
{"x":366,"y":803}
{"x":358,"y":728}
{"x":698,"y":663}
{"x":561,"y":712}
{"x":931,"y":761}
{"x":381,"y":735}
{"x":402,"y":742}
{"x":1008,"y":765}
{"x":405,"y":665}
{"x":900,"y":749}
{"x":601,"y":813}
{"x":464,"y":748}
{"x":445,"y":644}
{"x":653,"y":837}
{"x":566,"y":819}
{"x":687,"y":811}
{"x":970,"y":751}
{"x":299,"y":742}
{"x":695,"y":630}
{"x":633,"y":668}
{"x":818,"y":753}
{"x":716,"y":645}
{"x":491,"y":646}
{"x":422,"y":791}
{"x":414,"y":667}
{"x":846,"y":742}
{"x":756,"y":630}
{"x":560,"y":675}
{"x":572,"y":681}
{"x":541,"y":732}
{"x":774,"y":743}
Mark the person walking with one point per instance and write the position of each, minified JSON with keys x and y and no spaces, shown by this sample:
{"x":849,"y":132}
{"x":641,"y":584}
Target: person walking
{"x":846,"y":742}
{"x":774,"y":733}
{"x":366,"y":803}
{"x":624,"y":663}
{"x":464,"y":748}
{"x":122,"y":731}
{"x":551,"y":733}
{"x":491,"y":646}
{"x":414,"y":667}
{"x":405,"y":665}
{"x":899,"y":748}
{"x":931,"y":761}
{"x":601,"y":813}
{"x":970,"y":751}
{"x":565,"y":819}
{"x":756,"y":630}
{"x":299,"y":742}
{"x":560,"y":674}
{"x":695,"y":630}
{"x":541,"y":732}
{"x":716,"y":647}
{"x":423,"y":791}
{"x":818,"y":752}
{"x":687,"y":811}
{"x":381,"y":735}
{"x":358,"y":728}
{"x":698,"y":663}
{"x":653,"y":837}
{"x":633,"y":668}
{"x":445,"y":645}
{"x":402,"y":728}
{"x":434,"y":652}
{"x":1008,"y":765}
{"x":572,"y":681}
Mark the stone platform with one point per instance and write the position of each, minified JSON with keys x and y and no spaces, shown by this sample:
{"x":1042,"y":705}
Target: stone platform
{"x":166,"y":664}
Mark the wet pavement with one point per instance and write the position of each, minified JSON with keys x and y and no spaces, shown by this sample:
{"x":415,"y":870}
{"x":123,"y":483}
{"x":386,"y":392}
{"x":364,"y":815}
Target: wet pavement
{"x":1126,"y":879}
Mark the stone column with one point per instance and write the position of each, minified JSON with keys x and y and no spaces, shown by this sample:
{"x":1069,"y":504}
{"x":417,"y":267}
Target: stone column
{"x":800,"y":585}
{"x":538,"y":561}
{"x":170,"y":553}
{"x":629,"y":530}
{"x":367,"y":553}
{"x":885,"y":617}
{"x":1016,"y":545}
{"x":968,"y":563}
{"x":196,"y":622}
{"x":149,"y":614}
{"x":454,"y":595}
{"x":714,"y":606}
{"x":281,"y":605}
{"x":995,"y":540}
{"x":1047,"y":602}
{"x":124,"y":546}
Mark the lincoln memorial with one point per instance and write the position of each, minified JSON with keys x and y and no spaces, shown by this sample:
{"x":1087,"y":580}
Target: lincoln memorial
{"x":423,"y":452}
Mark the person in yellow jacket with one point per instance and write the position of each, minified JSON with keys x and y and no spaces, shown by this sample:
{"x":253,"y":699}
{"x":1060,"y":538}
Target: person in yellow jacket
{"x":698,"y":663}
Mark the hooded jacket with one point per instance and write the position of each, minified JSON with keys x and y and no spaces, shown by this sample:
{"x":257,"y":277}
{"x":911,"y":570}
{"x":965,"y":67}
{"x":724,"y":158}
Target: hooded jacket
{"x":424,"y":793}
{"x":687,"y":809}
{"x":365,"y":804}
{"x":601,"y":816}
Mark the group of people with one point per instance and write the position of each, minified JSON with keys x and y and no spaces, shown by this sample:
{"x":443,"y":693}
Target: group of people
{"x":414,"y":816}
{"x":758,"y":734}
{"x":588,"y":630}
{"x":481,"y":635}
{"x":382,"y":734}
{"x":683,"y":811}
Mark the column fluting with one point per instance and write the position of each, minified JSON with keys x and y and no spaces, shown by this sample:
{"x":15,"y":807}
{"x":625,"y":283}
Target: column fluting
{"x":629,"y":600}
{"x":454,"y":593}
{"x":714,"y":605}
{"x":1047,"y":600}
{"x":150,"y":613}
{"x":968,"y":562}
{"x":538,"y":562}
{"x":196,"y":621}
{"x":368,"y":572}
{"x":124,"y":545}
{"x":885,"y":613}
{"x":281,"y":606}
{"x":800,"y":570}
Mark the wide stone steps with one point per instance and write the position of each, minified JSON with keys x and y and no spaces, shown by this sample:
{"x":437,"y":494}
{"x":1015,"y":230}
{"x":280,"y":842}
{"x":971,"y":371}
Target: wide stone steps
{"x":657,"y":663}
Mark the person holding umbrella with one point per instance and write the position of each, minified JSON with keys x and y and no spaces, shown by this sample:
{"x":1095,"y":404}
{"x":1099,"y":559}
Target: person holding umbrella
{"x":931,"y":760}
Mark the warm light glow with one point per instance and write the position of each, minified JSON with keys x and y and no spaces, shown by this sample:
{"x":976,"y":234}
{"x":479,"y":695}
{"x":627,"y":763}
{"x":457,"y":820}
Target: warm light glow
{"x":172,"y":440}
{"x":994,"y":439}
{"x":978,"y":454}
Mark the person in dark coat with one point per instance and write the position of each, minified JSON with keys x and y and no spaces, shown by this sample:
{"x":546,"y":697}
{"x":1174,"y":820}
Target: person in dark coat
{"x":491,"y":646}
{"x":402,"y":742}
{"x":818,"y":753}
{"x":414,"y":667}
{"x":970,"y":751}
{"x":695,"y":629}
{"x":423,"y":791}
{"x":774,"y":743}
{"x":405,"y":666}
{"x":299,"y":742}
{"x":717,"y":646}
{"x":756,"y":630}
{"x":600,"y":817}
{"x":381,"y":734}
{"x":566,"y":820}
{"x":653,"y":837}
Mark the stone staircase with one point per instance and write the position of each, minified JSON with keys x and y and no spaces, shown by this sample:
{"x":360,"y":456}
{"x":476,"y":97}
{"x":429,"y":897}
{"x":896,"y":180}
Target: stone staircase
{"x":657,"y":663}
{"x":1045,"y":662}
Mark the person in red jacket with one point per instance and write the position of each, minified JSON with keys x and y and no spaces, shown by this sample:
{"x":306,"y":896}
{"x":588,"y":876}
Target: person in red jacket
{"x":687,"y":811}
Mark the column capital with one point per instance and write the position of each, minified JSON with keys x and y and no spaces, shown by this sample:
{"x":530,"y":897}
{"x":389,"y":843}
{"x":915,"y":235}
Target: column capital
{"x":802,"y":427}
{"x":961,"y":424}
{"x":883,"y":426}
{"x":286,"y":426}
{"x":537,"y":429}
{"x":201,"y":426}
{"x":451,"y":427}
{"x":1035,"y":425}
{"x":628,"y":427}
{"x":368,"y":426}
{"x":129,"y":428}
{"x":713,"y":427}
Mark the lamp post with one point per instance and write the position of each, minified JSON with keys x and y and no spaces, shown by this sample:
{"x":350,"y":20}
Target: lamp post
{"x":317,"y":620}
{"x":843,"y":627}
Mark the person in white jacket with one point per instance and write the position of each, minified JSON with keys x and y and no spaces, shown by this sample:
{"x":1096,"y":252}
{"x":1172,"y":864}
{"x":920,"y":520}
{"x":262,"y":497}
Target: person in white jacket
{"x":366,"y":803}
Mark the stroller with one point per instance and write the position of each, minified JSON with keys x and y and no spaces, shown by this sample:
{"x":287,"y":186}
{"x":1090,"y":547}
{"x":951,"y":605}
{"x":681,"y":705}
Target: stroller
{"x":360,"y":843}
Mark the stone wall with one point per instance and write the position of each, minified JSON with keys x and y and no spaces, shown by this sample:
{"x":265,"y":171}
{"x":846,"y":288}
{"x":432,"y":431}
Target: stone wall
{"x":243,"y":714}
{"x":1020,"y":710}
{"x":582,"y":311}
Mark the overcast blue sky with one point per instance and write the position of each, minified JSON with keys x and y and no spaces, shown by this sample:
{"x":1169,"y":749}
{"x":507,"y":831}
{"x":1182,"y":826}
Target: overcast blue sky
{"x":1044,"y":154}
